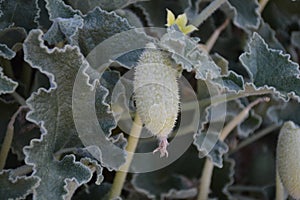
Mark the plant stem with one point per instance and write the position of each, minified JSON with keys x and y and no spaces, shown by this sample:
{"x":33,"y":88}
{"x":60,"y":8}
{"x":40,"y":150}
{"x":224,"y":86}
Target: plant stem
{"x":230,"y":96}
{"x":208,"y":167}
{"x":213,"y":38}
{"x":208,"y":11}
{"x":262,"y":5}
{"x":255,"y":137}
{"x":205,"y":180}
{"x":8,"y":138}
{"x":120,"y":176}
{"x":279,"y":187}
{"x":26,"y":77}
{"x":19,"y":98}
{"x":240,"y":117}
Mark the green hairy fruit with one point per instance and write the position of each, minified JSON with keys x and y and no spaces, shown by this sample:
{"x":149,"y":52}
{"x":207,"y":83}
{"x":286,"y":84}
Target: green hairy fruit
{"x":157,"y":94}
{"x":288,"y":152}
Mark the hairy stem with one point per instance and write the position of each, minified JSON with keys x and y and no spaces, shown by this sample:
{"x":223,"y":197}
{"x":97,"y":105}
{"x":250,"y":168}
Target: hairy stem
{"x":120,"y":176}
{"x":208,"y":167}
{"x":8,"y":138}
{"x":208,"y":11}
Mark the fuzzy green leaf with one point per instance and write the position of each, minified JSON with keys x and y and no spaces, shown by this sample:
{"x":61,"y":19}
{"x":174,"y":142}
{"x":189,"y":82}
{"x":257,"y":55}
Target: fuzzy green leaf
{"x":16,"y":188}
{"x":246,"y":13}
{"x":268,"y":34}
{"x":58,"y":102}
{"x":95,"y":167}
{"x":18,"y":13}
{"x":42,"y":19}
{"x":221,"y":62}
{"x":6,"y":52}
{"x":94,"y":132}
{"x":62,"y":29}
{"x":284,"y":111}
{"x":57,"y":8}
{"x":6,"y":84}
{"x":231,"y":81}
{"x":271,"y":68}
{"x":131,"y":17}
{"x":10,"y":37}
{"x":186,"y":53}
{"x":192,"y":9}
{"x":61,"y":67}
{"x":209,"y":145}
{"x":109,"y":5}
{"x":99,"y":25}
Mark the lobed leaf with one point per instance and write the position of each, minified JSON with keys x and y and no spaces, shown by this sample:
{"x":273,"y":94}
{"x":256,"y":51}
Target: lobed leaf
{"x":131,"y":17}
{"x":231,"y":81}
{"x":63,"y":28}
{"x":16,"y":188}
{"x":52,"y":109}
{"x":57,"y":8}
{"x":268,"y":34}
{"x":6,"y":84}
{"x":284,"y":111}
{"x":42,"y":19}
{"x":185,"y":52}
{"x":270,"y":68}
{"x":109,"y":5}
{"x":12,"y":36}
{"x":13,"y":12}
{"x":6,"y":52}
{"x":209,"y":145}
{"x":94,"y":120}
{"x":246,"y":13}
{"x":99,"y":25}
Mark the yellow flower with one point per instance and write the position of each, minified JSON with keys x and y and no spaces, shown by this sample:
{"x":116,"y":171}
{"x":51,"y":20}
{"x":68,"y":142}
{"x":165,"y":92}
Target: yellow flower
{"x":181,"y":22}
